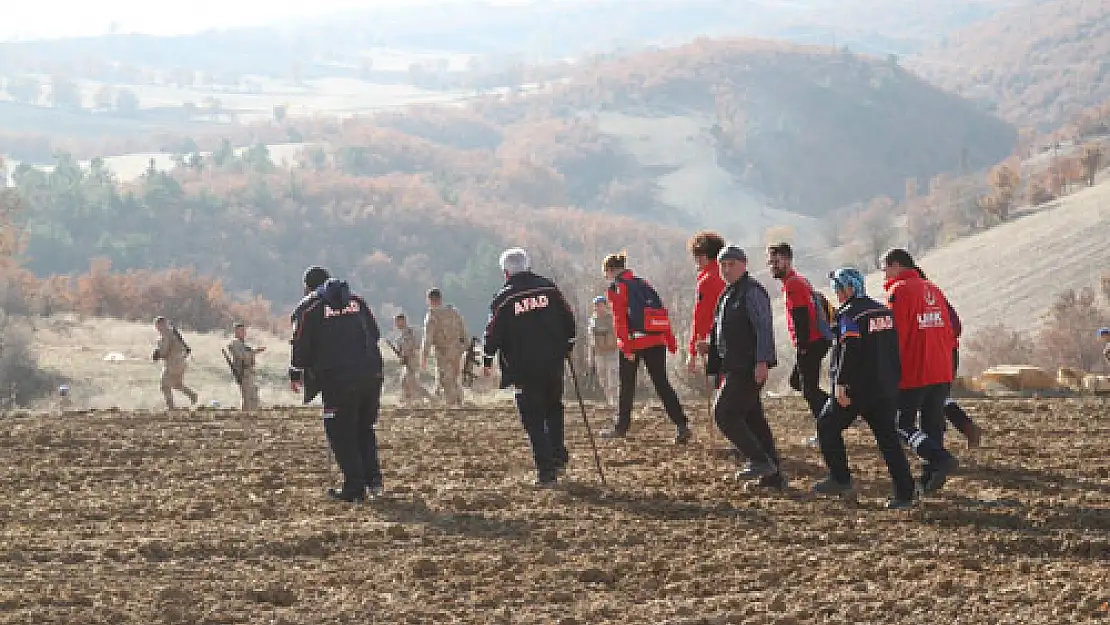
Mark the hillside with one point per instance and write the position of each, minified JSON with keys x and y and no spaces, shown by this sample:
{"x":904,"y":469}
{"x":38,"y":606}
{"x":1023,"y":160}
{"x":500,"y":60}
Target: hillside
{"x":1012,"y":273}
{"x":807,"y":128}
{"x":635,"y":153}
{"x":1037,"y":64}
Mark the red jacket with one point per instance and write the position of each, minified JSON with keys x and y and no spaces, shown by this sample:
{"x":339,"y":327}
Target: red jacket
{"x":710,"y":287}
{"x":798,"y":293}
{"x":618,"y":301}
{"x":925,"y":337}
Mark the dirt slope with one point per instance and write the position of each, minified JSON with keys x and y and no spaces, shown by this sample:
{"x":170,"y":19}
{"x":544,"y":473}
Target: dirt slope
{"x":1011,"y":273}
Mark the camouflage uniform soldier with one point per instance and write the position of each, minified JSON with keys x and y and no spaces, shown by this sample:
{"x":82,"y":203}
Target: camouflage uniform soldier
{"x":445,"y":330}
{"x":411,"y":390}
{"x":243,"y":361}
{"x":172,"y":351}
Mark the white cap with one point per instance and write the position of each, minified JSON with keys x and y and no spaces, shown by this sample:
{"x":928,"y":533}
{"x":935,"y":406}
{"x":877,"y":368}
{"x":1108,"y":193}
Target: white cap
{"x":515,"y":260}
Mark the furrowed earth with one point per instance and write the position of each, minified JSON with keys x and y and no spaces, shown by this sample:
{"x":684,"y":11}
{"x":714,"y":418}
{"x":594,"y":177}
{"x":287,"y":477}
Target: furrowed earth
{"x":217,"y":517}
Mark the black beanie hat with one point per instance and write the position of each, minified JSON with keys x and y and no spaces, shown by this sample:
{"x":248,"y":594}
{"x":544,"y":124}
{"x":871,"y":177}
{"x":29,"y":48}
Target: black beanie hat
{"x":314,"y":276}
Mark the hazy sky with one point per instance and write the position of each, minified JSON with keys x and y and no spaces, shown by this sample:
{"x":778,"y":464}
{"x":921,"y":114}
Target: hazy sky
{"x":66,"y":18}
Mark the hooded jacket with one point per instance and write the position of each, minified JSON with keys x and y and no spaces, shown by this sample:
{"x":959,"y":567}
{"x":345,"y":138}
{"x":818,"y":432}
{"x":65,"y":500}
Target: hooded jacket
{"x":335,"y":336}
{"x":925,"y":335}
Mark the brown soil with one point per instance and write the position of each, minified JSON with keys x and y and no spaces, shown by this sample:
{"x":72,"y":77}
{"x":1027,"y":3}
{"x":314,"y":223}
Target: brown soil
{"x":213,"y":517}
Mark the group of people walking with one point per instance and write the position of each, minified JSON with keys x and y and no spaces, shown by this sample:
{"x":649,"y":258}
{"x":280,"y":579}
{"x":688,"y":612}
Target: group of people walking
{"x":892,"y":362}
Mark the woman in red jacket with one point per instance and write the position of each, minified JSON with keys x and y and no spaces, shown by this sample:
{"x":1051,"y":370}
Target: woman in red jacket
{"x":636,"y":306}
{"x":704,"y":247}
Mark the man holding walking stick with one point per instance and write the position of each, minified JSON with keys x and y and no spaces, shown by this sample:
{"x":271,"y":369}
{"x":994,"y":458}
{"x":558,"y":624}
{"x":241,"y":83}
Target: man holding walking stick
{"x":531,"y":329}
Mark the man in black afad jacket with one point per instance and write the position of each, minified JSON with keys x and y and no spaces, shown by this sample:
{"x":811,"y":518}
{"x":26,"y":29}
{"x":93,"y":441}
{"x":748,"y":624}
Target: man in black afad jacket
{"x":532,"y":328}
{"x":864,"y":370}
{"x":335,"y":350}
{"x":741,"y":350}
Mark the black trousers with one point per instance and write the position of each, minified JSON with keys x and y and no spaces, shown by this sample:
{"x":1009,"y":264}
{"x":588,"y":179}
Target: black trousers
{"x":655,"y":360}
{"x":952,"y":411}
{"x":740,"y":417}
{"x":806,"y":376}
{"x":540,"y":404}
{"x":928,"y":440}
{"x":880,"y":416}
{"x":350,"y":413}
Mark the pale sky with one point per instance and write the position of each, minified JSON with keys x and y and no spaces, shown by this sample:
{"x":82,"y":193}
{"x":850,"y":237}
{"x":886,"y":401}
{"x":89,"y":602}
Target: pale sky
{"x":68,"y":18}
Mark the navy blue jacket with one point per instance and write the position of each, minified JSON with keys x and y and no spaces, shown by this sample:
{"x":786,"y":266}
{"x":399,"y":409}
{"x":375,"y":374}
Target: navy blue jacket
{"x":742,"y":333}
{"x":335,"y":336}
{"x":532,"y":327}
{"x":865,"y":358}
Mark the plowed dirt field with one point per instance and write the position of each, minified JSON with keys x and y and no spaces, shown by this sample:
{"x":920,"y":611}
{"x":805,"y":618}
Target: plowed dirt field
{"x":215,"y":517}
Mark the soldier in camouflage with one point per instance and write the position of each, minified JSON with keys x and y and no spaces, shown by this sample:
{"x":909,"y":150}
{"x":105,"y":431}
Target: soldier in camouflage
{"x":243,"y":361}
{"x":172,"y":351}
{"x":411,"y":390}
{"x":445,"y":330}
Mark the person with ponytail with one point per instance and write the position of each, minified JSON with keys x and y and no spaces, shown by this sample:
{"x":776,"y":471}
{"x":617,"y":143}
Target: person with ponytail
{"x":642,"y":326}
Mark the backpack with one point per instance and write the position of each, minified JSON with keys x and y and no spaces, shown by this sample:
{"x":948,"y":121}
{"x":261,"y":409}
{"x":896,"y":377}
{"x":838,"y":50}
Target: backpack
{"x":646,"y":312}
{"x":825,"y":315}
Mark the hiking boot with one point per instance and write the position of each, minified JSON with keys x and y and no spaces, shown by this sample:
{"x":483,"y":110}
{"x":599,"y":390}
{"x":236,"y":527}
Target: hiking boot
{"x":831,"y":487}
{"x":973,"y":433}
{"x":614,"y":433}
{"x":683,"y":435}
{"x":777,"y":481}
{"x":935,"y":479}
{"x":755,"y":471}
{"x":375,"y":491}
{"x":546,"y":481}
{"x":894,"y":503}
{"x":339,"y":495}
{"x":811,"y":442}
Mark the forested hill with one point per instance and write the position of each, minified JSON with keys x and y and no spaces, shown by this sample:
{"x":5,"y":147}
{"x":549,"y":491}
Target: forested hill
{"x":810,"y":128}
{"x":1037,"y":64}
{"x":428,"y":196}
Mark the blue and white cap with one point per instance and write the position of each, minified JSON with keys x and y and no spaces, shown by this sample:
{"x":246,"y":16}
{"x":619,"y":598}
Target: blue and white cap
{"x":848,"y":277}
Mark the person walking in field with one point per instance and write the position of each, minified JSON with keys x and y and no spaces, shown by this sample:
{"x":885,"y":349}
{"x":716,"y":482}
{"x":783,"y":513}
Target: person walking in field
{"x":243,"y":361}
{"x":412,"y":392}
{"x":644,"y":334}
{"x":445,"y":331}
{"x":335,"y":352}
{"x":531,"y":330}
{"x":704,"y":247}
{"x":741,"y":351}
{"x":173,"y":352}
{"x":925,"y":344}
{"x":603,"y":356}
{"x":864,"y":371}
{"x":808,"y":324}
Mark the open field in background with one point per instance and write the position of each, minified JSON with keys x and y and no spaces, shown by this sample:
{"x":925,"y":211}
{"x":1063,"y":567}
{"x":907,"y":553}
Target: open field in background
{"x":77,"y":350}
{"x":216,"y":517}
